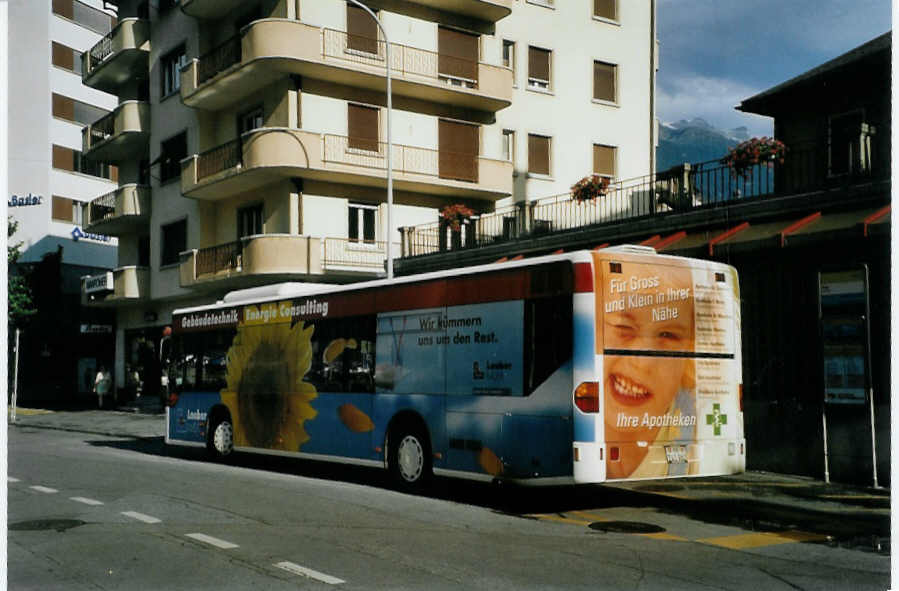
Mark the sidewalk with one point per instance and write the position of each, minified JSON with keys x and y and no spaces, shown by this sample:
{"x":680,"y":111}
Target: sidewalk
{"x":765,"y":499}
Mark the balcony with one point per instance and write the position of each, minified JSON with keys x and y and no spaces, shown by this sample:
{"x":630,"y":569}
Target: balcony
{"x":210,"y":9}
{"x":272,"y":48}
{"x":121,"y":135}
{"x":120,"y":56}
{"x":266,"y":155}
{"x":689,"y":194}
{"x":485,"y":10}
{"x":123,"y":211}
{"x":118,"y":287}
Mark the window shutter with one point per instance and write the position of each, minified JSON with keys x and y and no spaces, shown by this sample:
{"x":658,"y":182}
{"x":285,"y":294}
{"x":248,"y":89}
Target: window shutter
{"x":605,"y":9}
{"x":63,"y":158}
{"x":63,"y":107}
{"x":457,"y":54}
{"x":361,"y":29}
{"x":458,"y":157}
{"x":538,"y":154}
{"x":63,"y":57}
{"x":64,"y":8}
{"x":538,"y":63}
{"x":604,"y":160}
{"x":62,"y":209}
{"x":362,"y":124}
{"x":604,"y":81}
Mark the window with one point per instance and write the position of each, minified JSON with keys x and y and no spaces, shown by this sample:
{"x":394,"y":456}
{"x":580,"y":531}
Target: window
{"x":361,"y":30}
{"x":249,"y":120}
{"x":73,"y":161}
{"x":848,"y":141}
{"x":457,"y":59}
{"x":604,"y":82}
{"x":171,"y":70}
{"x":173,"y":151}
{"x":607,"y":9}
{"x":361,"y":223}
{"x":67,"y":58}
{"x":604,"y":158}
{"x":362,"y":125}
{"x":143,"y":251}
{"x":249,"y":221}
{"x":63,"y":209}
{"x":174,"y":242}
{"x":76,"y":111}
{"x":337,"y":367}
{"x":509,"y":58}
{"x":86,"y":16}
{"x":509,"y":145}
{"x":539,"y":61}
{"x":538,"y":154}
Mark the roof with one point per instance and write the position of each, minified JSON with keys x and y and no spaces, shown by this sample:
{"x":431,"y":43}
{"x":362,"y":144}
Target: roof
{"x":759,"y":102}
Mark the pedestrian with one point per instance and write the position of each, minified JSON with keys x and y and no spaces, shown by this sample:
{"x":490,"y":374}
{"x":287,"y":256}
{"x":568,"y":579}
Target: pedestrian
{"x":102,"y":384}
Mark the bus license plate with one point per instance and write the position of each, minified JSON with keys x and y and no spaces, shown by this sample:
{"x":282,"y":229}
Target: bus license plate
{"x":676,"y":454}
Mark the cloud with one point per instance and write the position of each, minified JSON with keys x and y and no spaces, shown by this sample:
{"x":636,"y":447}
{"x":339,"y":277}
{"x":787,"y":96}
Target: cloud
{"x":712,"y":99}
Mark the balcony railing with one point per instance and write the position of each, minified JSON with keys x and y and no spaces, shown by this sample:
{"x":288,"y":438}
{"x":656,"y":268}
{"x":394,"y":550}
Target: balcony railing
{"x":690,"y":187}
{"x":219,"y":158}
{"x":102,"y":128}
{"x":362,"y":255}
{"x":223,"y":257}
{"x":403,"y":59}
{"x":102,"y":208}
{"x":219,"y":59}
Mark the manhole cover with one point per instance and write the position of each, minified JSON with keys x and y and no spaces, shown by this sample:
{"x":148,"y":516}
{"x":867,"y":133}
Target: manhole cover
{"x":626,"y":527}
{"x":59,"y":525}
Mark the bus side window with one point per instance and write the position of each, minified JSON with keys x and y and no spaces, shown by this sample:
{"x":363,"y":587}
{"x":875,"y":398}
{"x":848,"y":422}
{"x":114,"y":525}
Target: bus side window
{"x":343,"y":355}
{"x":549,"y":336}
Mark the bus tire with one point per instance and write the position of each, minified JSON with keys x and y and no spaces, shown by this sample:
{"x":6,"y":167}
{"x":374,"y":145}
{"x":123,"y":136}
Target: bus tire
{"x":220,"y":438}
{"x":409,"y":458}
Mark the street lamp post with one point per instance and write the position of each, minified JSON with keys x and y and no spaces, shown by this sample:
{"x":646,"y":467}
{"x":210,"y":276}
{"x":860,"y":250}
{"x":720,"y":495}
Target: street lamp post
{"x":389,"y":144}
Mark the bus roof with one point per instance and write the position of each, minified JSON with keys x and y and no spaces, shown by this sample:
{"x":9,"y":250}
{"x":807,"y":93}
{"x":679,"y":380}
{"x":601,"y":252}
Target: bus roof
{"x":288,"y":290}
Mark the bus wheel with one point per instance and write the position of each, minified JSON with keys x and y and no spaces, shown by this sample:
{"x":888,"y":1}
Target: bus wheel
{"x":410,"y":458}
{"x":221,"y":439}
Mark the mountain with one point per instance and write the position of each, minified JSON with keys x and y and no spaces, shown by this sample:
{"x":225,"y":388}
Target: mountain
{"x":694,"y":141}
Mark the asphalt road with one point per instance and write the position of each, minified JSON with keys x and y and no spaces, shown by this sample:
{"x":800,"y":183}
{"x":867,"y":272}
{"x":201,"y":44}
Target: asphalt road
{"x":94,"y":512}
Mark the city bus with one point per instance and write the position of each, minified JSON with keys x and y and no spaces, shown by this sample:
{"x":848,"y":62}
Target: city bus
{"x":581,"y":367}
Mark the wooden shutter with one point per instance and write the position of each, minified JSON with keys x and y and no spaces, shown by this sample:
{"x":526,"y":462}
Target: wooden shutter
{"x":538,"y":63}
{"x":458,"y":151}
{"x":62,"y":209}
{"x":538,"y":154}
{"x":457,"y":54}
{"x":361,"y":29}
{"x":64,"y":8}
{"x":605,"y":9}
{"x":63,"y":107}
{"x":114,"y":173}
{"x":362,"y":124}
{"x":604,"y":160}
{"x":604,"y":81}
{"x":63,"y":57}
{"x":63,"y":158}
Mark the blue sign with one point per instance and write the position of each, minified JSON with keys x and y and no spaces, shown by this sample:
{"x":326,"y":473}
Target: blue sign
{"x":78,"y":234}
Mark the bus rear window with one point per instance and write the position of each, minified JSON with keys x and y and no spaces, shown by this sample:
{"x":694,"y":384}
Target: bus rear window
{"x":549,"y":333}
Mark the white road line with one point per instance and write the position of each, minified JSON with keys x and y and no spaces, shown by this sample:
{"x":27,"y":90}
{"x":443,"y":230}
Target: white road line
{"x":11,"y":479}
{"x":86,"y":501}
{"x":44,"y":489}
{"x":308,"y":572}
{"x":141,"y":517}
{"x":213,"y":541}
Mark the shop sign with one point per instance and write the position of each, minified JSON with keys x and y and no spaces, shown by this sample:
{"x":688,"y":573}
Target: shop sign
{"x":24,"y":201}
{"x":79,"y":234}
{"x":96,"y":329}
{"x":95,"y":283}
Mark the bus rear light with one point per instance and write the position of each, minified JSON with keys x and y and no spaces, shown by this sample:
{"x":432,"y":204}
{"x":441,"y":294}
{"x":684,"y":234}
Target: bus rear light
{"x":741,"y":449}
{"x":740,"y":395}
{"x":577,"y":454}
{"x":586,"y":396}
{"x":583,"y":278}
{"x":613,"y":454}
{"x":172,"y":400}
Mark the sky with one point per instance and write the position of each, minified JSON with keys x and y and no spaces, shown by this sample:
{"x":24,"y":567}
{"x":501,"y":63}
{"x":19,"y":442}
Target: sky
{"x":715,"y":53}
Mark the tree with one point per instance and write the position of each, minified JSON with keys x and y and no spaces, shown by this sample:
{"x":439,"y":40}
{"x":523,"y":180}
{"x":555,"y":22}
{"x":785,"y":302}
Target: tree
{"x":21,"y":302}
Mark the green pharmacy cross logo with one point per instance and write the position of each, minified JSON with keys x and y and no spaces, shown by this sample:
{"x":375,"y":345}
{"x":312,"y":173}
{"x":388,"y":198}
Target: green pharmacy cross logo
{"x":716,"y":418}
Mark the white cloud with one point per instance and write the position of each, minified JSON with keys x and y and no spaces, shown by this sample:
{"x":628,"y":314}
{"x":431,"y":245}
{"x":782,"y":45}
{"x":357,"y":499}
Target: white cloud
{"x":712,"y":99}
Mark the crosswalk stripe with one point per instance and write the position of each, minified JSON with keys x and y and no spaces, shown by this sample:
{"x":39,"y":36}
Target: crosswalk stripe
{"x":44,"y":489}
{"x":141,"y":517}
{"x":223,"y":544}
{"x":308,"y":572}
{"x":86,"y":501}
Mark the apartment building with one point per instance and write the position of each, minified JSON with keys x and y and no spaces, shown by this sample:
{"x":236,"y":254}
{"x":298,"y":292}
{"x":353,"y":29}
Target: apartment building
{"x":50,"y":177}
{"x":251,"y":136}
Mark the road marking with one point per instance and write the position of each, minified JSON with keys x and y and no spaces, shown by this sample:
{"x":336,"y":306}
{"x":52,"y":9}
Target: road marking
{"x":11,"y":479}
{"x":762,"y":539}
{"x":86,"y":501}
{"x":665,"y":536}
{"x":880,"y":497}
{"x":550,"y":517}
{"x":308,"y":572}
{"x":44,"y":489}
{"x":589,"y":515}
{"x":213,"y":541}
{"x":141,"y":517}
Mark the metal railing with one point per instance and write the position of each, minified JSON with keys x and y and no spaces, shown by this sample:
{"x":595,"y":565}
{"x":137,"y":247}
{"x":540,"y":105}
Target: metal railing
{"x":346,"y":254}
{"x":219,"y":158}
{"x":685,"y":188}
{"x":403,"y":59}
{"x":221,"y":58}
{"x":102,"y":129}
{"x":102,"y":208}
{"x":222,"y":257}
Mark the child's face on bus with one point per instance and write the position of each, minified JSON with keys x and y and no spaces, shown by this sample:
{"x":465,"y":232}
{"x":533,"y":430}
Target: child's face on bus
{"x":640,"y":384}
